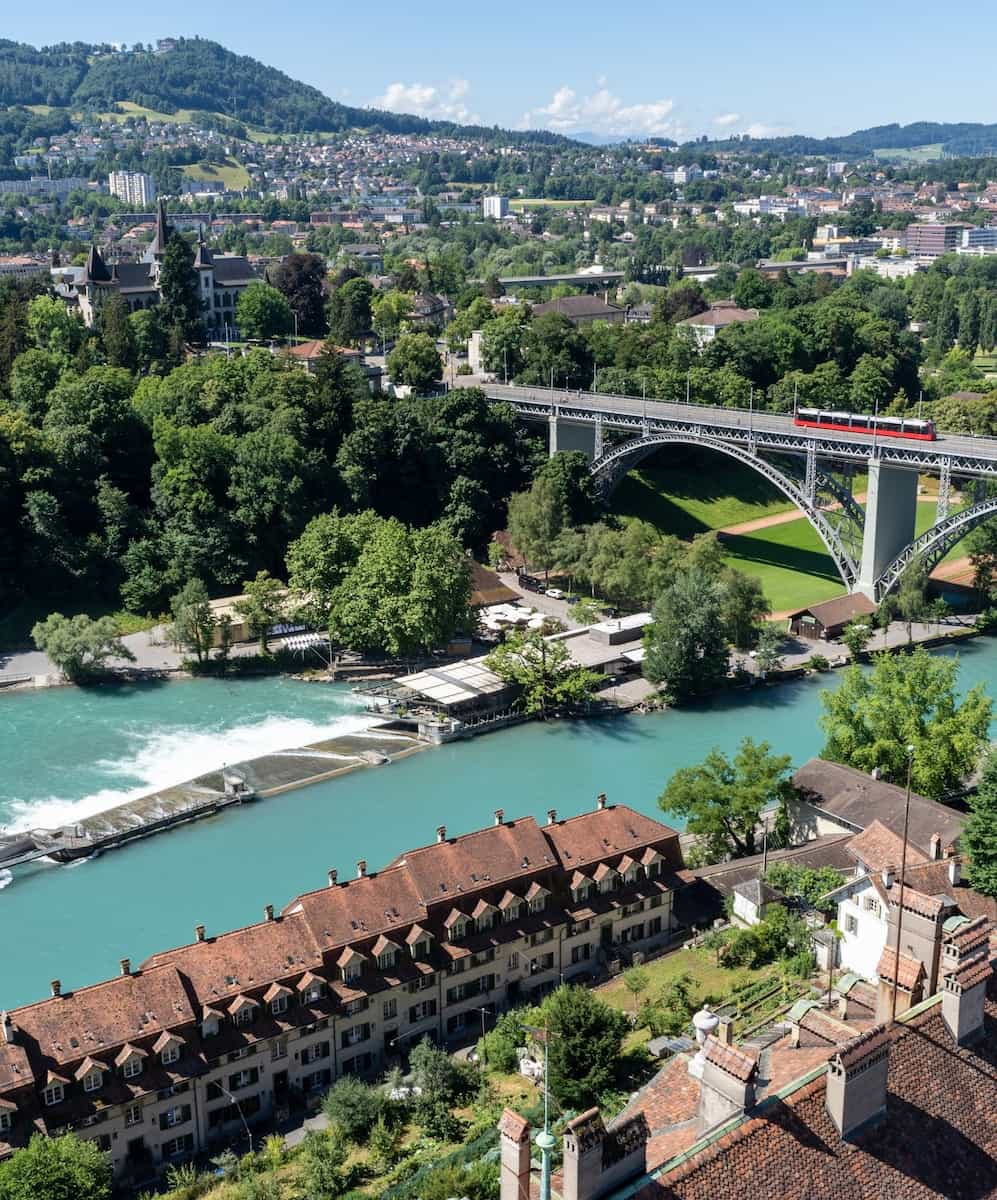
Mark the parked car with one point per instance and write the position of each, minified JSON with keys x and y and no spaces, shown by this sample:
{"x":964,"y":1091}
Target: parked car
{"x":556,"y":594}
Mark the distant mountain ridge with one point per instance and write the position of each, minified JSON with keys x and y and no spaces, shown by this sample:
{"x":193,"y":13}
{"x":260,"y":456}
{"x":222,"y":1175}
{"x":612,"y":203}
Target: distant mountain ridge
{"x":956,"y":138}
{"x":202,"y":75}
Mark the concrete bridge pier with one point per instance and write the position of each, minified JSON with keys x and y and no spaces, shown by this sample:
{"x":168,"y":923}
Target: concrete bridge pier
{"x":567,"y":435}
{"x":890,"y":519}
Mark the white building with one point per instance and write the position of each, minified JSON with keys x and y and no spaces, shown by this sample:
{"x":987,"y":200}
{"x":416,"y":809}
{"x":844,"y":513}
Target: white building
{"x":496,"y":207}
{"x":134,"y":187}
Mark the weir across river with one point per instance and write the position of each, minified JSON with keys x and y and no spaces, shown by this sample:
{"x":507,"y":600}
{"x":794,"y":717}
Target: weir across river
{"x":871,"y":546}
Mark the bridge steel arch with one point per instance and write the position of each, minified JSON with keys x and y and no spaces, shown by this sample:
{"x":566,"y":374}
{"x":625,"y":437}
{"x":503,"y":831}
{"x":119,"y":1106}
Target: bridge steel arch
{"x":932,"y":545}
{"x":609,"y":468}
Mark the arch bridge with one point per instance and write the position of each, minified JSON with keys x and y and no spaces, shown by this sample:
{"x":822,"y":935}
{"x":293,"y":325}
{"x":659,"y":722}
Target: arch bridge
{"x":871,"y":547}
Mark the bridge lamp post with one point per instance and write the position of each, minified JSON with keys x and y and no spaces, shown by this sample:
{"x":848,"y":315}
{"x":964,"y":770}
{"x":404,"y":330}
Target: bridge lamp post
{"x":900,"y":905}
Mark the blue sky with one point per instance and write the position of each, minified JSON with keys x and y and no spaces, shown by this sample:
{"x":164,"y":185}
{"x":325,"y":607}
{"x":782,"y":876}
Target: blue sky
{"x":663,"y":68}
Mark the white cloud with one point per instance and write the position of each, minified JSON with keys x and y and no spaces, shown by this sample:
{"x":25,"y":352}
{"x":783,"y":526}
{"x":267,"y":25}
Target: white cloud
{"x":725,"y":120}
{"x":603,"y":112}
{"x":758,"y":129}
{"x":446,"y":102}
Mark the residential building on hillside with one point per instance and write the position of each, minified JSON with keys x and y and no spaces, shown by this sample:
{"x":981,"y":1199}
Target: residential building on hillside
{"x":704,"y":326}
{"x":495,"y":207}
{"x":134,"y":187}
{"x":220,"y":280}
{"x":165,"y":1061}
{"x":582,"y":310}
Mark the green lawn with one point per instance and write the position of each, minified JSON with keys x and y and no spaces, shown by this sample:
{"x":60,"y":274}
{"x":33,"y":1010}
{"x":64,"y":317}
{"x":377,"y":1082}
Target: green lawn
{"x":16,"y":622}
{"x":790,"y":562}
{"x":913,"y":154}
{"x":694,"y":494}
{"x":232,"y":173}
{"x":541,"y":203}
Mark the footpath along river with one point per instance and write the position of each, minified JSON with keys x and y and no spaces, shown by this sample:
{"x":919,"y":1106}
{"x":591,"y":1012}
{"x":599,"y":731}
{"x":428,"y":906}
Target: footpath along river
{"x":67,"y":753}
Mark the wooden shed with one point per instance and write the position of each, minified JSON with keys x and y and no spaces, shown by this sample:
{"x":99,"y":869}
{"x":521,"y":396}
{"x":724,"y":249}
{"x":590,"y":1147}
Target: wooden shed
{"x":826,"y":621}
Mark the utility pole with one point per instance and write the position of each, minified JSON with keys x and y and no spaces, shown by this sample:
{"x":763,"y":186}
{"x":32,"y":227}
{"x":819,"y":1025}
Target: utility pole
{"x":544,"y":1140}
{"x":900,"y":906}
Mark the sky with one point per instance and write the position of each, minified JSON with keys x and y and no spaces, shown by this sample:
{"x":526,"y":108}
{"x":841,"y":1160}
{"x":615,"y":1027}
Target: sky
{"x":659,"y":69}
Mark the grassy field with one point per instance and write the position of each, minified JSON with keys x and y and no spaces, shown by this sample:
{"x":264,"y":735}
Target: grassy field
{"x":232,"y":173}
{"x":16,"y":622}
{"x":789,"y":561}
{"x":693,"y":495}
{"x":522,"y":202}
{"x":912,"y":154}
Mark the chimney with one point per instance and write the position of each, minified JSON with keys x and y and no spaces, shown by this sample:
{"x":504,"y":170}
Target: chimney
{"x":728,"y":1083}
{"x":889,"y":877}
{"x":6,"y":1028}
{"x":551,"y":816}
{"x":963,"y":994}
{"x":600,"y":801}
{"x":441,"y":833}
{"x":333,"y":876}
{"x":499,"y":816}
{"x":935,"y":847}
{"x":514,"y":1138}
{"x":199,"y":932}
{"x":362,"y":869}
{"x":56,"y":987}
{"x":268,"y":912}
{"x":856,"y":1081}
{"x":126,"y":966}
{"x":955,"y":872}
{"x":725,"y":1032}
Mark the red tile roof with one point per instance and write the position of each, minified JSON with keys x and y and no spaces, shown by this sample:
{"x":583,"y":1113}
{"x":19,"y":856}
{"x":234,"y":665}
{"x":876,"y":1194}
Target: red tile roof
{"x":917,"y":902}
{"x":734,"y":1061}
{"x":911,"y":969}
{"x":877,"y":848}
{"x":938,"y":1138}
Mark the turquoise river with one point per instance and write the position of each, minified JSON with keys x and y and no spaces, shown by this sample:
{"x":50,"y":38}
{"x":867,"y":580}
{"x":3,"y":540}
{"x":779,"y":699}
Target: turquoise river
{"x":68,"y":752}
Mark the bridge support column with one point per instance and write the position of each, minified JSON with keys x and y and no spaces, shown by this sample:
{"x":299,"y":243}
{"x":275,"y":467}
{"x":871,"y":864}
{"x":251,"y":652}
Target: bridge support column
{"x":890,"y":517}
{"x":552,"y":433}
{"x":597,"y":447}
{"x":567,"y":435}
{"x":944,"y":490}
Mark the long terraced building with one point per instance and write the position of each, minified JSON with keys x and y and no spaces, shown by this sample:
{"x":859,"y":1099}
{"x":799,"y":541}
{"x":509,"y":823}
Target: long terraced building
{"x":164,"y":1062}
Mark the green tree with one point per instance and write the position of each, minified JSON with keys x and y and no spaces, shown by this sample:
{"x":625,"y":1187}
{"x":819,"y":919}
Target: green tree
{"x":262,"y":312}
{"x":982,"y":546}
{"x":54,"y":327}
{"x":744,"y":608}
{"x":811,"y":884}
{"x":415,"y":362}
{"x":300,"y":278}
{"x":264,"y":605}
{"x":179,"y":300}
{"x":437,"y":1074}
{"x":753,"y":289}
{"x":536,"y":520}
{"x":544,"y":670}
{"x":389,"y":312}
{"x":56,"y":1168}
{"x":349,"y":311}
{"x":723,"y":801}
{"x":907,"y":700}
{"x":912,"y":598}
{"x":767,"y":654}
{"x":384,"y":1144}
{"x":354,"y":1107}
{"x":323,"y":1157}
{"x":979,"y":838}
{"x":856,"y":636}
{"x":686,"y":643}
{"x":585,"y":1042}
{"x":193,"y":623}
{"x":635,"y":980}
{"x":80,"y":646}
{"x":117,"y":334}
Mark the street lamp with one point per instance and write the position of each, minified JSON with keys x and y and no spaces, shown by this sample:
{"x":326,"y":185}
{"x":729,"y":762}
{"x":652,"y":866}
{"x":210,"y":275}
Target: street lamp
{"x":242,"y":1116}
{"x":485,"y":1012}
{"x":544,"y":1139}
{"x":900,"y":906}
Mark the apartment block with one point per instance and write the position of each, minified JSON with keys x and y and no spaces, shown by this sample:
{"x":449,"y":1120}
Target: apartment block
{"x":166,"y":1061}
{"x":133,"y":187}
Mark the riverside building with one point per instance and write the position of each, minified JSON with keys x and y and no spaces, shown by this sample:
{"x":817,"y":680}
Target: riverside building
{"x":166,"y":1061}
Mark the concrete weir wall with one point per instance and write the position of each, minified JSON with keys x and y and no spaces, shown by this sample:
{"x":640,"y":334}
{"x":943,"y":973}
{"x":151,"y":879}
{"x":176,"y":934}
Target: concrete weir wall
{"x":890,"y":517}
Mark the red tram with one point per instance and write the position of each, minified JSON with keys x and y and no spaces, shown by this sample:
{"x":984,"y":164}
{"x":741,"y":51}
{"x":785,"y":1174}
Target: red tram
{"x":846,"y":422}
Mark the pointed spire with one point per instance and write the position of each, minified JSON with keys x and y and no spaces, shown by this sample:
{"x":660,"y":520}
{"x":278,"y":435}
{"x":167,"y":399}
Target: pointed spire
{"x":96,"y":268}
{"x":203,"y":257}
{"x":158,"y":247}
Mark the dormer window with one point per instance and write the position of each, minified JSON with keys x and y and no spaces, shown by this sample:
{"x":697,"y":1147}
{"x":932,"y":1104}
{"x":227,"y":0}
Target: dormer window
{"x":170,"y":1055}
{"x":91,"y":1074}
{"x":168,"y":1047}
{"x":243,"y":1011}
{"x":132,"y":1067}
{"x":652,"y":863}
{"x":350,"y":962}
{"x":53,"y":1094}
{"x":605,"y":877}
{"x":537,"y":898}
{"x":209,"y":1027}
{"x":278,"y":1005}
{"x":510,"y":907}
{"x":581,"y":887}
{"x":130,"y":1061}
{"x":386,"y":953}
{"x":456,"y":925}
{"x":418,"y":942}
{"x":5,"y":1120}
{"x":93,"y":1081}
{"x":629,"y":869}
{"x":278,"y":997}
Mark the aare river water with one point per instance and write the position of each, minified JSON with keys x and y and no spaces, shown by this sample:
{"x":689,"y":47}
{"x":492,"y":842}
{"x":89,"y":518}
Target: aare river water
{"x":67,"y":752}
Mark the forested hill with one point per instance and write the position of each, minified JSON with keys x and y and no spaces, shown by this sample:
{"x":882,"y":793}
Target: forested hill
{"x":200,"y":75}
{"x":957,"y":138}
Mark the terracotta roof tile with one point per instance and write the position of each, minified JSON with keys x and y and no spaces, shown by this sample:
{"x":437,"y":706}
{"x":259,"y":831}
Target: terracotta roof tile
{"x":911,"y":969}
{"x":976,"y":933}
{"x":513,"y":1125}
{"x":730,"y":1059}
{"x":616,"y":829}
{"x":974,"y":971}
{"x":917,"y":902}
{"x":878,"y":848}
{"x":859,"y":1048}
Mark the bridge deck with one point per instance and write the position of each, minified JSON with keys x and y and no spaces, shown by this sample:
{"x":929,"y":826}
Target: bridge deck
{"x":767,"y":431}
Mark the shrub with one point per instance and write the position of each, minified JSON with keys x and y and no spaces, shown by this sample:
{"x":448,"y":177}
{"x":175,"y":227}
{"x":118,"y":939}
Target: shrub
{"x":817,"y":662}
{"x":354,"y":1106}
